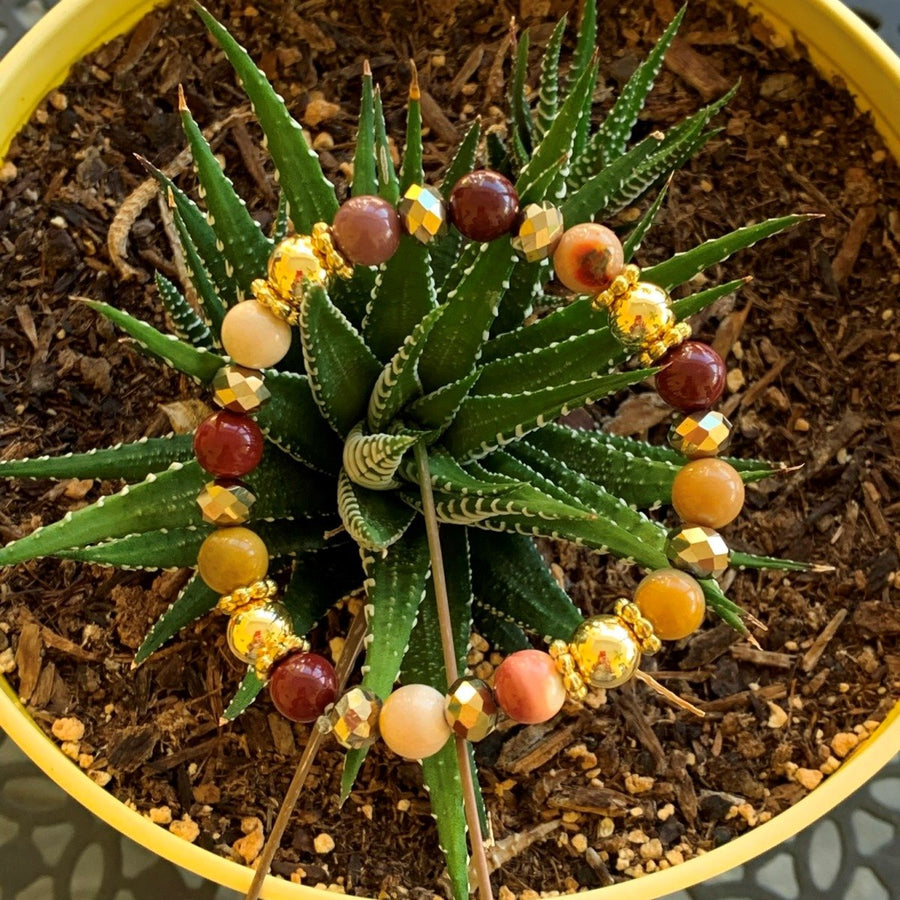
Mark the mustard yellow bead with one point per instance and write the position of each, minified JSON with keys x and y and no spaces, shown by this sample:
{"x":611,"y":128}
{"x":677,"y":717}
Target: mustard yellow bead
{"x":232,"y":558}
{"x":412,"y":721}
{"x":708,"y":492}
{"x":672,"y":602}
{"x":254,"y":337}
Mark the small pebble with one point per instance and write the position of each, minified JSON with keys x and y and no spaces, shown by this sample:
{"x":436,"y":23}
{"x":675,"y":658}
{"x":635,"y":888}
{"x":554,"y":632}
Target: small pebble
{"x":579,"y":843}
{"x":735,"y":380}
{"x":674,"y":857}
{"x":505,"y":893}
{"x":185,"y":828}
{"x":72,"y":749}
{"x":808,"y":778}
{"x":843,"y":743}
{"x":638,"y":784}
{"x":318,"y":110}
{"x":8,"y":172}
{"x":607,"y":827}
{"x":323,"y":141}
{"x":100,"y":778}
{"x":250,"y":846}
{"x":160,"y":815}
{"x":777,"y":716}
{"x":653,"y":849}
{"x":7,"y":661}
{"x":68,"y":729}
{"x":323,"y":843}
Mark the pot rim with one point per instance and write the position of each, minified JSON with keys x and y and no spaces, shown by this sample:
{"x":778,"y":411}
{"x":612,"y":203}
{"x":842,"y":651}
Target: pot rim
{"x":839,"y":43}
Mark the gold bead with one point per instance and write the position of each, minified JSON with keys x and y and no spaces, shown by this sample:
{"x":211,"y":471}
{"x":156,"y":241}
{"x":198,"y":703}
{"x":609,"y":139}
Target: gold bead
{"x":701,"y":435}
{"x":469,"y":708}
{"x":329,"y":256}
{"x":262,"y":628}
{"x":239,"y":390}
{"x":251,"y":595}
{"x":640,"y":627}
{"x":698,"y":550}
{"x":226,"y":502}
{"x":641,"y":316}
{"x":565,"y":665}
{"x":353,"y":720}
{"x":293,"y":261}
{"x":541,"y":229}
{"x":605,"y":650}
{"x":423,"y":213}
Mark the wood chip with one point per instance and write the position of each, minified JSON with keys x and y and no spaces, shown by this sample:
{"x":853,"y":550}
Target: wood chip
{"x":433,"y":116}
{"x":588,"y":798}
{"x":28,"y":659}
{"x":535,"y":745}
{"x":768,"y":658}
{"x":742,"y":698}
{"x":697,"y":70}
{"x":845,"y":261}
{"x":814,"y":654}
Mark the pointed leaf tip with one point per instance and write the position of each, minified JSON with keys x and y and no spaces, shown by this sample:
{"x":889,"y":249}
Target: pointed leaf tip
{"x":414,"y":91}
{"x":182,"y":103}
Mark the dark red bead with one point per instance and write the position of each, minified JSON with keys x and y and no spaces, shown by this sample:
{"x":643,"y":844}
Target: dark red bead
{"x":484,"y":205}
{"x":302,"y":685}
{"x":367,"y":230}
{"x":693,"y":377}
{"x":228,"y":444}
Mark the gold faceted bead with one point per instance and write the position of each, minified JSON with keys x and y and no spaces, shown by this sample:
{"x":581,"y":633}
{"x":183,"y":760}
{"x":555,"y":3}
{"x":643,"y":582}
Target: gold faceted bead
{"x":353,"y":720}
{"x":641,"y":316}
{"x":293,"y":261}
{"x":541,"y":230}
{"x":423,"y":213}
{"x":605,"y":650}
{"x":701,"y":435}
{"x":469,"y":709}
{"x":262,"y":629}
{"x":226,"y":502}
{"x":239,"y":389}
{"x":698,"y":550}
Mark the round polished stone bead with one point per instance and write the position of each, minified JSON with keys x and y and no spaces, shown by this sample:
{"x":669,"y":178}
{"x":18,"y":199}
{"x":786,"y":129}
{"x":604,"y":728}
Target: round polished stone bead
{"x":228,"y":445}
{"x":353,"y":720}
{"x":254,"y":337}
{"x":605,"y":650}
{"x":692,"y":378}
{"x":641,"y":316}
{"x":708,"y":492}
{"x":225,"y":502}
{"x":232,"y":558}
{"x":672,"y":601}
{"x":484,"y":205}
{"x":697,"y":549}
{"x":259,"y":630}
{"x":701,"y":434}
{"x":302,"y":686}
{"x":469,"y":708}
{"x":528,"y":687}
{"x":239,"y":389}
{"x":412,"y":721}
{"x":367,"y":230}
{"x":588,"y":257}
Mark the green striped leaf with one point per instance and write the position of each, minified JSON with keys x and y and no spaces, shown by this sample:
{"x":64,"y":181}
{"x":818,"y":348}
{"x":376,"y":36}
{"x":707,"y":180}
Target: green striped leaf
{"x":186,"y":324}
{"x":388,"y":184}
{"x":523,"y":131}
{"x":250,"y":688}
{"x":438,"y":409}
{"x":372,"y":460}
{"x":207,"y":293}
{"x":548,"y":90}
{"x":365,"y":178}
{"x":639,"y":232}
{"x":374,"y":519}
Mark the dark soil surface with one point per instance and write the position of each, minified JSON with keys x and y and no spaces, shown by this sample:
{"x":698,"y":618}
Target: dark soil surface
{"x":603,"y":792}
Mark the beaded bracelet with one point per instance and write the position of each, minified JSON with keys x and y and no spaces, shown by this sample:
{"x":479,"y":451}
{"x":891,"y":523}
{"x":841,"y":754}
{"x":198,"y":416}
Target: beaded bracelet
{"x":530,"y":686}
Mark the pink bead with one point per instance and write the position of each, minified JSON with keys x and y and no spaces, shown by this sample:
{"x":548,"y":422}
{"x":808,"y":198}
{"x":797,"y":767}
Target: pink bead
{"x":367,"y":230}
{"x":528,"y":687}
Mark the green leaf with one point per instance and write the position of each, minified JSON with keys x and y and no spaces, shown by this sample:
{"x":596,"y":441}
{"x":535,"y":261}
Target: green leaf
{"x":456,"y":340}
{"x":438,"y":409}
{"x":374,"y":519}
{"x":639,"y":232}
{"x":518,"y":102}
{"x":684,"y":266}
{"x":585,"y":43}
{"x":249,"y":689}
{"x":395,"y":586}
{"x":282,"y":220}
{"x":725,"y":609}
{"x":740,"y":560}
{"x":388,"y":185}
{"x":340,"y":366}
{"x":512,"y":580}
{"x":186,"y":324}
{"x":318,"y":581}
{"x":291,"y":420}
{"x":486,"y":422}
{"x":310,"y":195}
{"x":199,"y":241}
{"x":195,"y":601}
{"x":525,"y":287}
{"x":131,"y":462}
{"x":245,"y":246}
{"x":365,"y":178}
{"x":448,"y":476}
{"x":612,"y":136}
{"x":548,"y":91}
{"x":411,"y":171}
{"x":500,"y":633}
{"x":689,"y":306}
{"x":372,"y":460}
{"x":199,"y":364}
{"x":399,"y":382}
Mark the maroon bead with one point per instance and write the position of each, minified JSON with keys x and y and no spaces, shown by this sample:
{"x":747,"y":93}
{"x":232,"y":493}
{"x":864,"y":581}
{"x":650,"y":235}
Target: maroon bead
{"x":302,"y":685}
{"x":228,"y":444}
{"x":693,"y":377}
{"x":367,"y":230}
{"x":484,"y":205}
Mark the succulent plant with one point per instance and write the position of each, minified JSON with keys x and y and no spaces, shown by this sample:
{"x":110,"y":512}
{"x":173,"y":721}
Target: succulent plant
{"x":439,"y":348}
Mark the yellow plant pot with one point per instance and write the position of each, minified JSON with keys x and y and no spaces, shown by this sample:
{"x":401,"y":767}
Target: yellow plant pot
{"x":838,"y":43}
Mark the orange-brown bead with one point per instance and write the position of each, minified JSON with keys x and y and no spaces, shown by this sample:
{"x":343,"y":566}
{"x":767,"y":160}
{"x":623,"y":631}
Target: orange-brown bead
{"x":708,"y":492}
{"x":588,"y":257}
{"x":232,"y":558}
{"x":672,"y":602}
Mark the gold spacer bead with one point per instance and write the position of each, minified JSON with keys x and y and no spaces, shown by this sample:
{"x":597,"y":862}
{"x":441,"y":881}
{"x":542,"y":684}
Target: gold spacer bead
{"x":258,"y":592}
{"x":621,"y":285}
{"x":331,"y":259}
{"x":575,"y":686}
{"x":264,"y":293}
{"x":640,"y":627}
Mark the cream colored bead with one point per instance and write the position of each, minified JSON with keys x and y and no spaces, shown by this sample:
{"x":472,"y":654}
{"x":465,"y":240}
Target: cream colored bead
{"x":412,"y":721}
{"x":253,"y":337}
